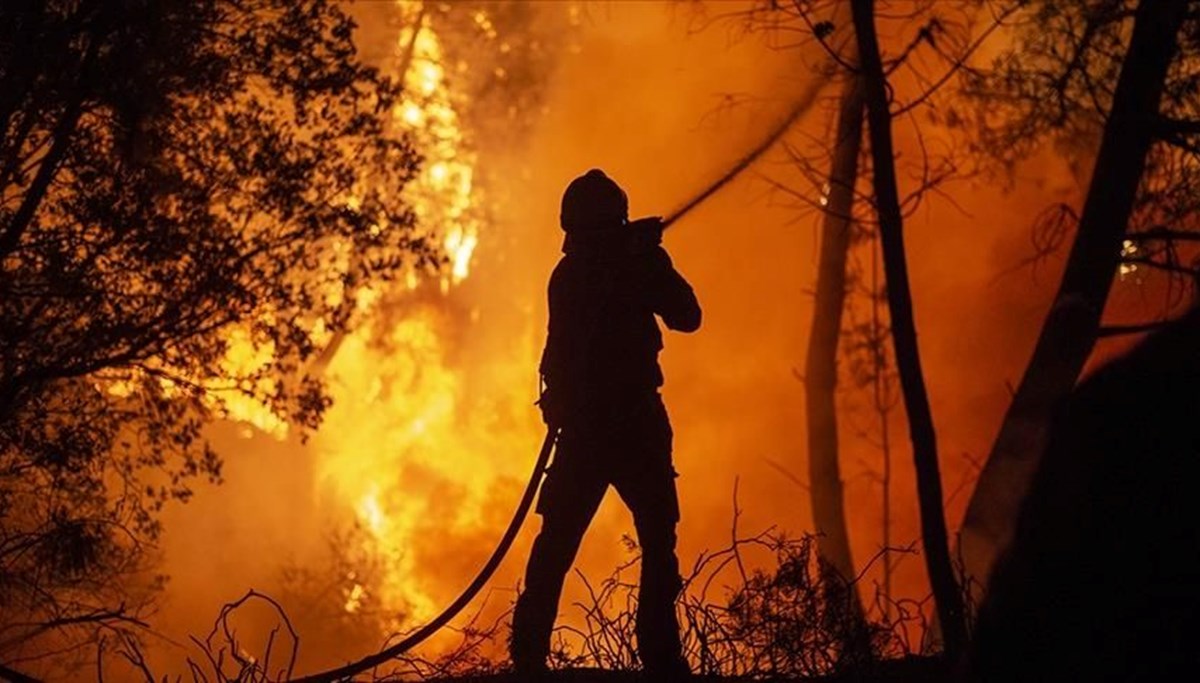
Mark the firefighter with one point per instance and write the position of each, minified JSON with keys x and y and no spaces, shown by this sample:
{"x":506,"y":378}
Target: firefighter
{"x":601,"y":383}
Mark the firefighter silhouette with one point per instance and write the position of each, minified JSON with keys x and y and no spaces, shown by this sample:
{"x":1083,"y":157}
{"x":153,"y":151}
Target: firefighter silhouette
{"x":601,"y":377}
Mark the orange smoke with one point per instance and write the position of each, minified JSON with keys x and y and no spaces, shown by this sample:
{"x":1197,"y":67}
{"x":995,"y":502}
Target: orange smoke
{"x":433,"y":429}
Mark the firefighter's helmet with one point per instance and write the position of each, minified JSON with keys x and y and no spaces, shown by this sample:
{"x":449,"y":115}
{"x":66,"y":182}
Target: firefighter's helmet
{"x":593,"y":201}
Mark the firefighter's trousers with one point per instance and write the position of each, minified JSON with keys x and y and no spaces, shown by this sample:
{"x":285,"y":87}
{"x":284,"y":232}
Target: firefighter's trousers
{"x":631,"y":452}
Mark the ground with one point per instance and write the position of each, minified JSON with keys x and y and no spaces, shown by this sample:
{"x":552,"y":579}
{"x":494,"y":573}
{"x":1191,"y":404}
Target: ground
{"x":909,"y":670}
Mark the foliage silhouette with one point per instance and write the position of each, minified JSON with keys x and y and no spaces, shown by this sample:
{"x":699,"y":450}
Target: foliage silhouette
{"x":180,"y":183}
{"x":1114,"y":80}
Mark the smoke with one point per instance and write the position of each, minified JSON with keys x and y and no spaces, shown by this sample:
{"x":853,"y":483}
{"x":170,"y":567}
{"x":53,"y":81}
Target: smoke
{"x":435,"y":393}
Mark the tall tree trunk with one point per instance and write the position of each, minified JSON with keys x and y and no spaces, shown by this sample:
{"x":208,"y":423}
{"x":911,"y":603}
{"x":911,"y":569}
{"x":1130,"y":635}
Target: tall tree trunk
{"x":904,"y":335}
{"x":881,"y":399}
{"x":1070,"y":329}
{"x":820,"y":368}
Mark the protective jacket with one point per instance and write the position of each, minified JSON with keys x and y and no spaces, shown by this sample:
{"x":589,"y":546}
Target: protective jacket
{"x":601,"y":352}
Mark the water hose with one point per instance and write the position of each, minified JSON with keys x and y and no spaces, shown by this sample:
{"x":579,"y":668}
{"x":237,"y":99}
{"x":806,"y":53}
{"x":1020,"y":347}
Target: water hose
{"x":803,"y":104}
{"x":481,"y":579}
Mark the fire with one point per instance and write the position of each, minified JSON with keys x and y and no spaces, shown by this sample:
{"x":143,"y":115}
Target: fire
{"x":403,"y":453}
{"x":416,"y":461}
{"x":444,"y":194}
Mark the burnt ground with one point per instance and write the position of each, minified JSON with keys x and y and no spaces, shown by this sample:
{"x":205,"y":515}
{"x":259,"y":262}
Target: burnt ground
{"x":908,"y":670}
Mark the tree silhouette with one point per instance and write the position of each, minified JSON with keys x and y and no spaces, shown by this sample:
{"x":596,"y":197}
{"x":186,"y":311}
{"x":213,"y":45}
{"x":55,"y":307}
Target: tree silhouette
{"x":924,"y":44}
{"x":904,"y":334}
{"x":1099,"y":582}
{"x":1078,"y":70}
{"x":181,"y":183}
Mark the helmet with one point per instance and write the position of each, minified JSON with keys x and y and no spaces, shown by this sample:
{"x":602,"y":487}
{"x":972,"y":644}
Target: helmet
{"x":593,"y":201}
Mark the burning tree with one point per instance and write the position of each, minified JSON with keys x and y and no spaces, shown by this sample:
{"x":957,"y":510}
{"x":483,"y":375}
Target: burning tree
{"x":188,"y":189}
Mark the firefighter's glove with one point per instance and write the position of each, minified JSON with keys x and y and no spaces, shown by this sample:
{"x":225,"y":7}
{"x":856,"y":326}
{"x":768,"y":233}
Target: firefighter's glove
{"x":646,"y":233}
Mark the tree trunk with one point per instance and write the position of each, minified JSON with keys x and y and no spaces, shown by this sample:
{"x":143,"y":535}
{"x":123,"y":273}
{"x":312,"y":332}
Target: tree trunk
{"x":820,"y":367}
{"x":1071,"y":327}
{"x":946,"y":593}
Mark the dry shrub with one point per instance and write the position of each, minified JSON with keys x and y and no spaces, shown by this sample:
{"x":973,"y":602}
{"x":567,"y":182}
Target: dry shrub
{"x":777,"y":623}
{"x":761,"y":623}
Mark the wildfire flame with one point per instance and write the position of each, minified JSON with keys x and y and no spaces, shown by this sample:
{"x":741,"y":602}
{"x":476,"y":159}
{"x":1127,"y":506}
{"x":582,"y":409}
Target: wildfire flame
{"x":394,"y":450}
{"x":393,"y":456}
